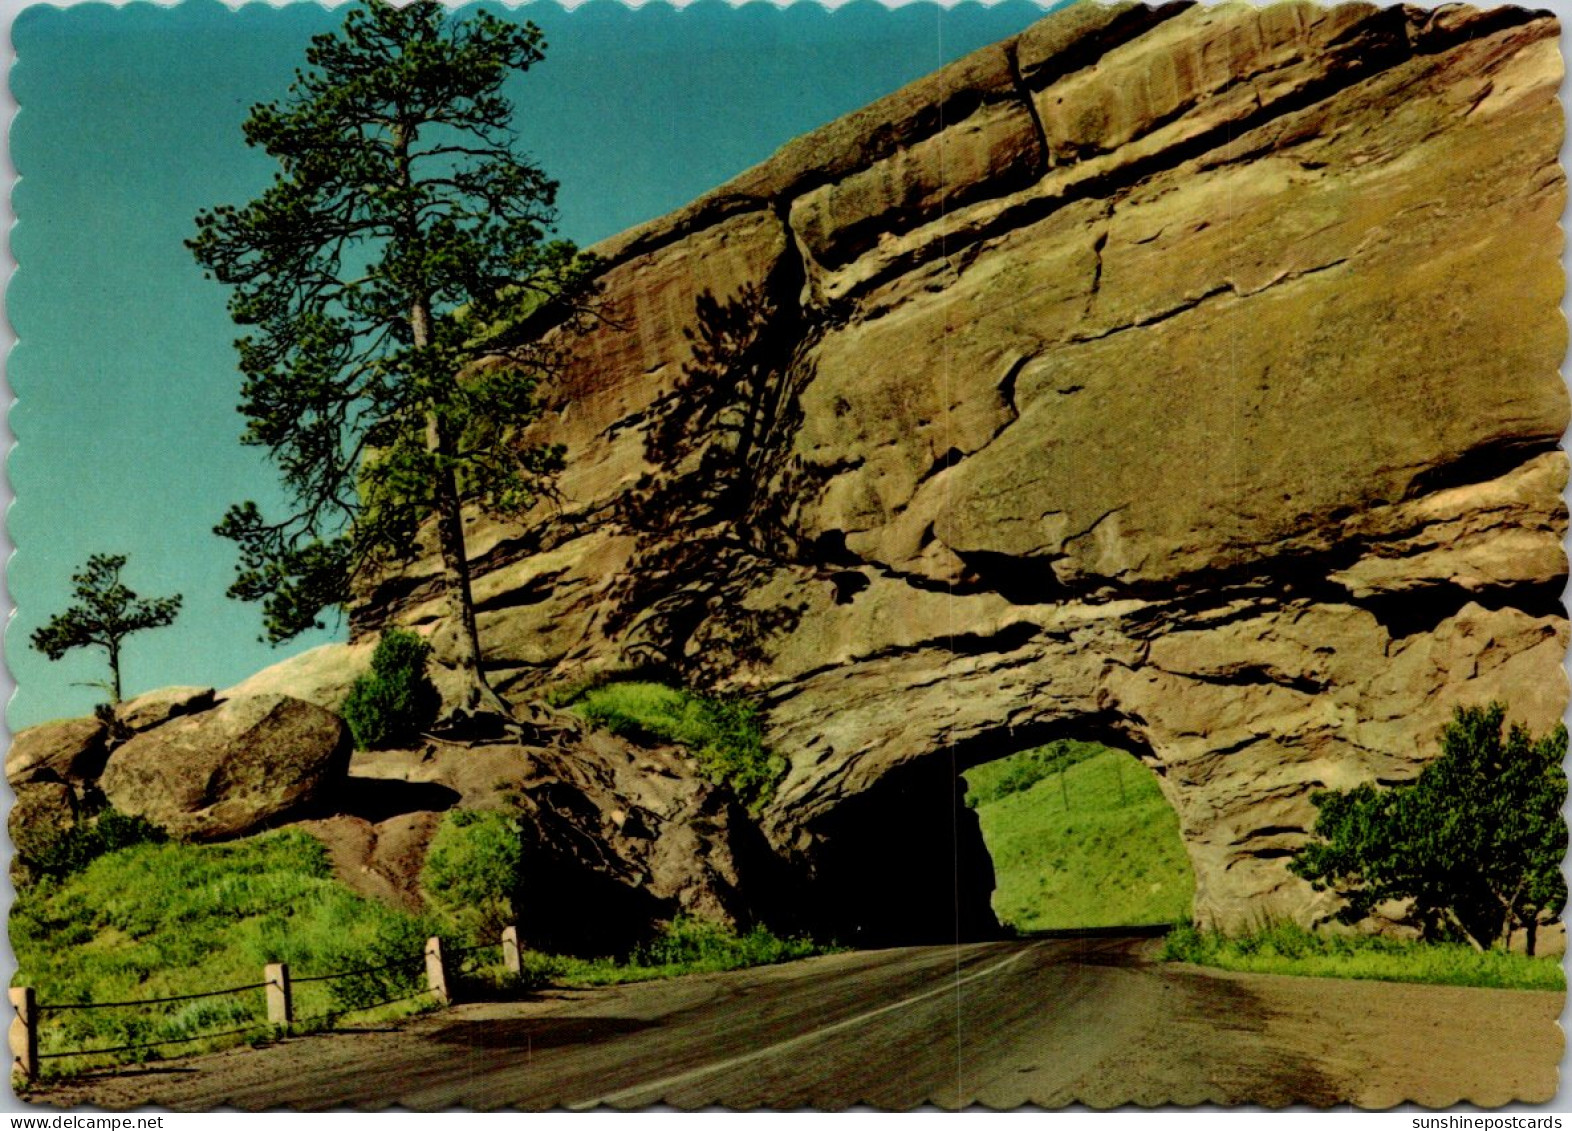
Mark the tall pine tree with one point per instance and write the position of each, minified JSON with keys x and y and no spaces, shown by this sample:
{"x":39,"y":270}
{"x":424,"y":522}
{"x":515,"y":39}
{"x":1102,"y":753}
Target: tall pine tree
{"x":383,"y":279}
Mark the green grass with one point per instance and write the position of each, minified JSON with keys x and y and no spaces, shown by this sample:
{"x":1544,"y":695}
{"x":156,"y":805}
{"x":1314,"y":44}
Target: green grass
{"x":686,"y":946}
{"x":1288,"y":949}
{"x":157,"y":920}
{"x":1080,"y":836}
{"x":166,"y":919}
{"x":722,"y":734}
{"x":473,"y":868}
{"x":994,"y":781}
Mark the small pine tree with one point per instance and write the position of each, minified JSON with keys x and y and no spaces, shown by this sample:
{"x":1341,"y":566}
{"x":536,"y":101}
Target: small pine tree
{"x":106,"y":612}
{"x":1474,"y":843}
{"x":390,"y":705}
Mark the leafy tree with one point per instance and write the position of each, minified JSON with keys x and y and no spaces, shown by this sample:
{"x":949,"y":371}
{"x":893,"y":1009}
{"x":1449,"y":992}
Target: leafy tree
{"x":106,"y":612}
{"x":395,"y":280}
{"x":1475,"y":842}
{"x":391,"y":704}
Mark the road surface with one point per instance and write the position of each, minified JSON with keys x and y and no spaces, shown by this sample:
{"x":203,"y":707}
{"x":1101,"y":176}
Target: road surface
{"x":1051,"y":1022}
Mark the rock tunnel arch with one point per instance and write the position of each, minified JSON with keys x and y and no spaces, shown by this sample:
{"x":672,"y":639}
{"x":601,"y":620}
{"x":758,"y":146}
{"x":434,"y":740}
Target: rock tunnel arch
{"x":908,"y":861}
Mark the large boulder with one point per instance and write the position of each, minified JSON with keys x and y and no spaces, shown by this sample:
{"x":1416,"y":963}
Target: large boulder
{"x":71,"y":750}
{"x":231,"y":770}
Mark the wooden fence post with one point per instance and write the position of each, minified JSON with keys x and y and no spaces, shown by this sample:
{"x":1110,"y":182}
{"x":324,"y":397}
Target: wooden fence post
{"x":436,"y":971}
{"x":24,"y":1032}
{"x":512,"y":960}
{"x":280,"y":997}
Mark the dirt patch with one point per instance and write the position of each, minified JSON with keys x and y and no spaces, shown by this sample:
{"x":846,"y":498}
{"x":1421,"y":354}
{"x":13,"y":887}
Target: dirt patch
{"x":381,"y":861}
{"x":1385,"y":1043}
{"x":378,"y":828}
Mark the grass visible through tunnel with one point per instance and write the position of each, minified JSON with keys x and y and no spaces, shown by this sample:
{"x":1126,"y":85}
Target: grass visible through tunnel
{"x":1080,"y":836}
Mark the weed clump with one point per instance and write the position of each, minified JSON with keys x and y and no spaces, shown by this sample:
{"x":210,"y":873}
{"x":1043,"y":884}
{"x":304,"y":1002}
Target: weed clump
{"x":472,"y":872}
{"x":723,"y":735}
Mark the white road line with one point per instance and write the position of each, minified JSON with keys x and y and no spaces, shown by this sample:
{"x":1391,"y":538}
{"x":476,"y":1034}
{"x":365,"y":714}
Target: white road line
{"x":660,"y":1086}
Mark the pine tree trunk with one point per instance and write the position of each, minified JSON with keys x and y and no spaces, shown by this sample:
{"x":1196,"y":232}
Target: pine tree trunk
{"x":114,"y":674}
{"x":477,"y":694}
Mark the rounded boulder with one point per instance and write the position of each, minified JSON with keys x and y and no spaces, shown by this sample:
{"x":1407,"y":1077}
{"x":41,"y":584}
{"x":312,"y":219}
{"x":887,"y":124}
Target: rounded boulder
{"x":230,"y":770}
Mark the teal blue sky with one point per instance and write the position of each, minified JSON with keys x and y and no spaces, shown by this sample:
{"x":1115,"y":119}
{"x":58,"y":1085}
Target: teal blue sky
{"x":129,"y":123}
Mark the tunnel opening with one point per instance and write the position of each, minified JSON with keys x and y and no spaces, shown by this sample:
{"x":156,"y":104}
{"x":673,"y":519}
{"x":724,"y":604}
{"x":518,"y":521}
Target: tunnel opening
{"x":1080,"y":836}
{"x":1023,"y":829}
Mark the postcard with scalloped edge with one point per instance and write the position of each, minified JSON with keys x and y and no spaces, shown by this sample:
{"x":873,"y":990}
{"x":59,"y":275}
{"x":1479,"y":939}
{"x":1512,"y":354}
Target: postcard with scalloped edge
{"x":785,"y":558}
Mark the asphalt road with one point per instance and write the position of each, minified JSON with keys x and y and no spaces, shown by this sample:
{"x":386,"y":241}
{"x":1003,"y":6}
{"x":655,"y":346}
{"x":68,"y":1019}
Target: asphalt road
{"x":1051,"y":1022}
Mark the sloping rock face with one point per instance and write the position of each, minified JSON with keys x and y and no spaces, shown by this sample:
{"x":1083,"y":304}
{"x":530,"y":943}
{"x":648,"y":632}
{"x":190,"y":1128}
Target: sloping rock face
{"x":1184,"y":377}
{"x":157,"y":707}
{"x":68,"y":750}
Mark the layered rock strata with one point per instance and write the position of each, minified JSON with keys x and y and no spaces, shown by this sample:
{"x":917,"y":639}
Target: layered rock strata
{"x":1182,"y":376}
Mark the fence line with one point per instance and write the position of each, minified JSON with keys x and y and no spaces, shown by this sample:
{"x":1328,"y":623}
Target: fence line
{"x":279,"y":987}
{"x":356,"y":973}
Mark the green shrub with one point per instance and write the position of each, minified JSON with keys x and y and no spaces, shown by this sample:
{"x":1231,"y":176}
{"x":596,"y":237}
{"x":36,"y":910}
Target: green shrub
{"x":390,"y":705}
{"x":1286,"y":948}
{"x":699,"y":945}
{"x":1474,"y":844}
{"x":84,"y":842}
{"x":723,"y":735}
{"x":472,"y":872}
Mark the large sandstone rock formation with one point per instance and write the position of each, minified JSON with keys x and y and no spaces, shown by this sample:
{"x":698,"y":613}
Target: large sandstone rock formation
{"x":66,"y":750}
{"x":1180,"y":376}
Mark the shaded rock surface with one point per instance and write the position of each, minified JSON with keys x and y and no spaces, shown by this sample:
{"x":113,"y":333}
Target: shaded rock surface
{"x":231,"y":770}
{"x":40,"y":819}
{"x":71,"y":750}
{"x":157,"y":707}
{"x":1185,"y":377}
{"x":616,"y":837}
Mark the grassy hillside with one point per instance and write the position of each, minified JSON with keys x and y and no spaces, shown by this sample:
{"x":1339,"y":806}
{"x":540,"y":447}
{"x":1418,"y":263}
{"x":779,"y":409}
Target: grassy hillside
{"x":1080,"y":837}
{"x":157,"y":920}
{"x":162,"y":920}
